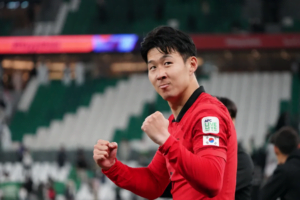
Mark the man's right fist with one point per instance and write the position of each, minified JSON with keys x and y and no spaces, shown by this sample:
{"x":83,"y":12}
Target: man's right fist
{"x":105,"y":154}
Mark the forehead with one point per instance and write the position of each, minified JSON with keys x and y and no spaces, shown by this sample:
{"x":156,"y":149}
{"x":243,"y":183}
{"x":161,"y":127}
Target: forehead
{"x":156,"y":54}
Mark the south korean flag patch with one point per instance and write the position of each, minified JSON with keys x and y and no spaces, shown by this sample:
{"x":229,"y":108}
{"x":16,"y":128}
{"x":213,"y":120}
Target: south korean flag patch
{"x":210,"y":140}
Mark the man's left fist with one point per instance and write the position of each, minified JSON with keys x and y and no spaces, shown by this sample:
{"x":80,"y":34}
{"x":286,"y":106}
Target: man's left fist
{"x":156,"y":127}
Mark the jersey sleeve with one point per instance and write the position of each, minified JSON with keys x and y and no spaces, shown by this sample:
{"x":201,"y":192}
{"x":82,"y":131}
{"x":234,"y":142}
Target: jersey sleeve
{"x":148,"y":182}
{"x":211,"y":133}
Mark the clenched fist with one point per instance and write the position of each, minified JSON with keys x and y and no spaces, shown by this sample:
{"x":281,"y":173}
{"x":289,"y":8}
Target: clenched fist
{"x":156,"y":127}
{"x":105,"y":154}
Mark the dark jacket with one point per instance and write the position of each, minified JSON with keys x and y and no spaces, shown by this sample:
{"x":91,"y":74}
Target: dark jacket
{"x":244,"y":176}
{"x":285,"y":182}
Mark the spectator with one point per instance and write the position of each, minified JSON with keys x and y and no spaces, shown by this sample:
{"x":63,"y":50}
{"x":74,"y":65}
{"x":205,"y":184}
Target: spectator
{"x":79,"y":70}
{"x":27,"y":162}
{"x":17,"y":81}
{"x":23,"y":195}
{"x":67,"y":79}
{"x":42,"y":72}
{"x":82,"y":166}
{"x":160,"y":9}
{"x":51,"y":192}
{"x":61,"y":157}
{"x":20,"y":152}
{"x":284,"y":183}
{"x":1,"y":77}
{"x":70,"y":191}
{"x":28,"y":186}
{"x":5,"y":135}
{"x":41,"y":192}
{"x":295,"y":67}
{"x":102,"y":10}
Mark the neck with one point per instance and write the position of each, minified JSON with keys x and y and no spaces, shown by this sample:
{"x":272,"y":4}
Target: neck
{"x":179,"y":102}
{"x":282,"y":158}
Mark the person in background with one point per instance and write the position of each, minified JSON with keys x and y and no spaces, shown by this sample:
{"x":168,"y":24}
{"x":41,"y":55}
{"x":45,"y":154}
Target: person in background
{"x":28,"y":185}
{"x":41,"y":191}
{"x":67,"y":79}
{"x":42,"y":73}
{"x":284,"y":183}
{"x":27,"y":162}
{"x":81,"y":166}
{"x":51,"y":192}
{"x":70,"y":191}
{"x":20,"y":152}
{"x":79,"y":73}
{"x":245,"y":165}
{"x":5,"y":134}
{"x":61,"y":157}
{"x":1,"y":77}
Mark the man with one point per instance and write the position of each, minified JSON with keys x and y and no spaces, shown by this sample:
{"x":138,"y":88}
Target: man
{"x":245,"y":166}
{"x":284,"y":183}
{"x":198,"y":147}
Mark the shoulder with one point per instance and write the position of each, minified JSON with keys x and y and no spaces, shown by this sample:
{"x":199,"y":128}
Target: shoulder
{"x":281,"y":170}
{"x":209,"y":106}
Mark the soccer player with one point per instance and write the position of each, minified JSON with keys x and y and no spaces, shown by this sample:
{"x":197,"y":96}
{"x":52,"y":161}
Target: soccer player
{"x":198,"y":146}
{"x":245,"y":164}
{"x":284,"y":183}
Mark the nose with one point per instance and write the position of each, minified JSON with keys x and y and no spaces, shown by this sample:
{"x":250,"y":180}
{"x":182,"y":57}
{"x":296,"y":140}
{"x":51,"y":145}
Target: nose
{"x":161,"y":73}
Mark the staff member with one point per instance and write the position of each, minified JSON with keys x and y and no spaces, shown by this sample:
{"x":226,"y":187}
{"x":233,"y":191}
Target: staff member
{"x":245,"y":164}
{"x":285,"y":181}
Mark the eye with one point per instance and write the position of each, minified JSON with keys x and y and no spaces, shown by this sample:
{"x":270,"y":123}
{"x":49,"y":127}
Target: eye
{"x":152,"y":68}
{"x":167,"y":63}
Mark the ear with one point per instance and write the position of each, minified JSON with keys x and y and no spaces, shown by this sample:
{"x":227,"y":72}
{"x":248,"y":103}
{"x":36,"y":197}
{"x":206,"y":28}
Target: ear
{"x":233,"y":120}
{"x":193,"y":62}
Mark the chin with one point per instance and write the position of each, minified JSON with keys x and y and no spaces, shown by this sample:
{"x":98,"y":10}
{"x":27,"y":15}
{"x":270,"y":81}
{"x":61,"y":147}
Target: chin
{"x":167,"y":97}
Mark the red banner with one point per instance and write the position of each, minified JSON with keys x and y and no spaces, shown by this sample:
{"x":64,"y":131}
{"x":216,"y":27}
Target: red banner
{"x":46,"y":44}
{"x":88,"y":43}
{"x":262,"y":41}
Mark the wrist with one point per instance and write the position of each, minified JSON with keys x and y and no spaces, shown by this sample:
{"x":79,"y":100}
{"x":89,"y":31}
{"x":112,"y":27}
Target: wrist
{"x":107,"y":168}
{"x":164,"y":139}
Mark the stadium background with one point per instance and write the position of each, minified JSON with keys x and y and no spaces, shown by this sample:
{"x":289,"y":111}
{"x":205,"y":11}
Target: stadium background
{"x":71,"y":73}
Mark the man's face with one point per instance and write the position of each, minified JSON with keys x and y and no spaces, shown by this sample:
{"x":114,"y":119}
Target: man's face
{"x":169,"y":74}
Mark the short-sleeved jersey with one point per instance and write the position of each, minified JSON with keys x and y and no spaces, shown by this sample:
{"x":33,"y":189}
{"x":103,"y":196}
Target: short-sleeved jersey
{"x":204,"y":127}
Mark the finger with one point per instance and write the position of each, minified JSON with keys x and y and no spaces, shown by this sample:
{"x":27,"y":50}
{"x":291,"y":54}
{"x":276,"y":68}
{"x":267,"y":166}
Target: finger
{"x":103,"y":142}
{"x":105,"y":153}
{"x":100,"y":152}
{"x":113,"y":145}
{"x":101,"y":147}
{"x":99,"y":157}
{"x":158,"y":113}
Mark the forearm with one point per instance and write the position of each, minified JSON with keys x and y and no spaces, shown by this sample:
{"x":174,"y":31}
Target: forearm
{"x":137,"y":180}
{"x":204,"y":173}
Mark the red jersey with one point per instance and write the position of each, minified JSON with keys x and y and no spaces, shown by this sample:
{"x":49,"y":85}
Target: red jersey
{"x":199,"y":157}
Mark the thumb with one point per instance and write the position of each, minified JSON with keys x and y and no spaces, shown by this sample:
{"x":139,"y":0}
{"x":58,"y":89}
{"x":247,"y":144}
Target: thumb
{"x":113,"y":145}
{"x":113,"y":149}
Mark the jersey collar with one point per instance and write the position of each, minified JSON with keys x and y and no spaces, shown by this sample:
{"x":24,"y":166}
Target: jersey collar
{"x":189,"y":103}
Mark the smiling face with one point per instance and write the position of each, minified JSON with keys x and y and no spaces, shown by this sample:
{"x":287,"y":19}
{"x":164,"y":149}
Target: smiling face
{"x":169,"y":73}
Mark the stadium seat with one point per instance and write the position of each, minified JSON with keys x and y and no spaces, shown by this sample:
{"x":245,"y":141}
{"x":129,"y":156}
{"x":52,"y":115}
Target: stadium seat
{"x":250,"y":91}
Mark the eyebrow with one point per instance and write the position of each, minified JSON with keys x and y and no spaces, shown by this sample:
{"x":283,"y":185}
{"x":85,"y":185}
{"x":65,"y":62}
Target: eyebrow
{"x":164,"y":56}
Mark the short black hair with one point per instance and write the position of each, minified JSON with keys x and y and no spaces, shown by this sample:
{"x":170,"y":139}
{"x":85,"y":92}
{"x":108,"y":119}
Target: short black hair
{"x":167,"y":39}
{"x":230,"y":105}
{"x":286,"y":139}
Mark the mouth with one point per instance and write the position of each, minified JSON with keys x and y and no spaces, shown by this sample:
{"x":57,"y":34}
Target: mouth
{"x":164,"y":86}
